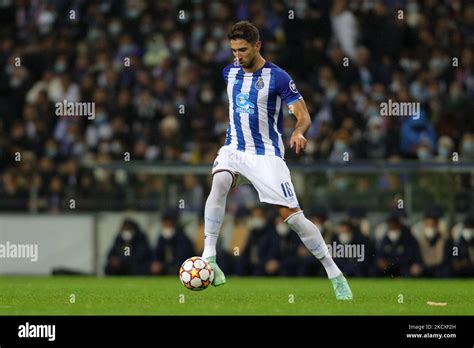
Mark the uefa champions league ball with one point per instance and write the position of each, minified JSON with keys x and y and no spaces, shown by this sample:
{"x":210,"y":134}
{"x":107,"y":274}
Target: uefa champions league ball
{"x":196,"y":273}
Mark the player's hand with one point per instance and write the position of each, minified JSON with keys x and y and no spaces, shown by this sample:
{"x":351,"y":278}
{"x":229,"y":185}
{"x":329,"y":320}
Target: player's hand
{"x":298,"y":141}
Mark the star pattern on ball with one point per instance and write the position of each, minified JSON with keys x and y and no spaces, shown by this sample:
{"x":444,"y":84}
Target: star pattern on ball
{"x":194,"y":273}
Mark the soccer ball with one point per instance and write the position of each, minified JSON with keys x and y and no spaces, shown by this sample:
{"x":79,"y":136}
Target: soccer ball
{"x":196,"y":273}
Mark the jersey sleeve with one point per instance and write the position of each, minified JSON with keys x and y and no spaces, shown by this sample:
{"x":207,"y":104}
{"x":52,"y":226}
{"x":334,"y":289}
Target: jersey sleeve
{"x":225,"y":73}
{"x":286,"y":88}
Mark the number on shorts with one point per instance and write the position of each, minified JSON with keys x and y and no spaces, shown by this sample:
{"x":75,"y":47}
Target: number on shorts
{"x":285,"y":186}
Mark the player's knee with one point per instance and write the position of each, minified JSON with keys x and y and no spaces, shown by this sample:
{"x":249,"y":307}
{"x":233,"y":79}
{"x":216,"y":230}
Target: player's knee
{"x":222,"y":182}
{"x":286,"y":212}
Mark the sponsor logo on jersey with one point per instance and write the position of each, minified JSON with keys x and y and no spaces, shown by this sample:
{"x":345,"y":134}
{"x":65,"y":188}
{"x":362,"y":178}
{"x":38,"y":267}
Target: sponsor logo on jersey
{"x":244,"y":105}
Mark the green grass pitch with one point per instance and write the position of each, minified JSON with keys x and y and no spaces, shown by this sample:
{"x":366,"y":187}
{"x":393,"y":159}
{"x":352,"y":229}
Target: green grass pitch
{"x":21,"y":295}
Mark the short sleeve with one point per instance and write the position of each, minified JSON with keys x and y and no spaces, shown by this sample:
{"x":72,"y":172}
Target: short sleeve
{"x":286,"y":87}
{"x":224,"y":74}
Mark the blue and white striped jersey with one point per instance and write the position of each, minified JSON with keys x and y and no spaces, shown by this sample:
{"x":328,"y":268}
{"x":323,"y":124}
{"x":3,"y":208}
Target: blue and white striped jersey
{"x":255,"y":108}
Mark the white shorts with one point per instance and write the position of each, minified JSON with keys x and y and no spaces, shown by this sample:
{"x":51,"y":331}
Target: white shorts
{"x":268,"y":174}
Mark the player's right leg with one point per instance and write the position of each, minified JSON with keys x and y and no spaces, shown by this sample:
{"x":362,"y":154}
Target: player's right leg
{"x":214,"y":212}
{"x":313,"y":240}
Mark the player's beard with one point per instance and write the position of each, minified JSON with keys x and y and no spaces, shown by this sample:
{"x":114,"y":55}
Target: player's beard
{"x":251,"y":63}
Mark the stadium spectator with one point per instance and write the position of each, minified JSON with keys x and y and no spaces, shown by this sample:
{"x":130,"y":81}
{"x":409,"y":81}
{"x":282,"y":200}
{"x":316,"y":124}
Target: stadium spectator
{"x":418,"y":137}
{"x":257,"y":250}
{"x":357,"y":216}
{"x":375,"y":143}
{"x":445,"y":149}
{"x":282,"y":256}
{"x":13,"y":192}
{"x":321,"y":144}
{"x":467,"y":146}
{"x":358,"y":259}
{"x":435,"y":247}
{"x":380,"y":230}
{"x":173,"y":246}
{"x":398,"y":253}
{"x":463,"y":257}
{"x":130,"y":254}
{"x":56,"y":195}
{"x":141,"y":73}
{"x":193,"y":193}
{"x":344,"y":25}
{"x":341,"y":151}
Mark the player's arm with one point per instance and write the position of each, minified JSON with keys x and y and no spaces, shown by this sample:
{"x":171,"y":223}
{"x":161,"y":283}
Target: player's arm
{"x":303,"y":123}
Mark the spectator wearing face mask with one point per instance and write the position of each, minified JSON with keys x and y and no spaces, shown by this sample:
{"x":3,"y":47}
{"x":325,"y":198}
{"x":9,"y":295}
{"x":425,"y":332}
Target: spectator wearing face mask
{"x":463,"y":258}
{"x":173,"y":246}
{"x":323,"y":137}
{"x":380,"y":230}
{"x":356,"y":251}
{"x":374,"y":143}
{"x":282,"y":244}
{"x":341,"y":151}
{"x":398,"y":253}
{"x":467,"y":146}
{"x":256,"y":251}
{"x":445,"y":149}
{"x":130,"y":254}
{"x":358,"y":218}
{"x":435,"y":247}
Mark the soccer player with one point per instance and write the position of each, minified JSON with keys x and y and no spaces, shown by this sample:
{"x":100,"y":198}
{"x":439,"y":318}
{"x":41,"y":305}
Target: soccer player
{"x":254,"y":152}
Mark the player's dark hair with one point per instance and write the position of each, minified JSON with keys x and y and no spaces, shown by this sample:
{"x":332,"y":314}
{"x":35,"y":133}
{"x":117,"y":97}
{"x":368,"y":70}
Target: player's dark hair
{"x":244,"y":30}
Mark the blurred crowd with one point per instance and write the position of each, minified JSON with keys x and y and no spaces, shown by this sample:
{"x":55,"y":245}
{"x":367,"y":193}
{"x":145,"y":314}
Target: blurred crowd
{"x":261,"y":244}
{"x":153,"y":70}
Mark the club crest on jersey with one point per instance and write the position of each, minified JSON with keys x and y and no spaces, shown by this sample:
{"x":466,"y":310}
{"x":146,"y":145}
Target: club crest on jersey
{"x":292,"y":86}
{"x":259,"y":84}
{"x":244,"y":105}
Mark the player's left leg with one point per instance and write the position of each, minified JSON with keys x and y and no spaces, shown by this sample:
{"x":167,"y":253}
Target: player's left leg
{"x":213,"y":217}
{"x":313,"y":240}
